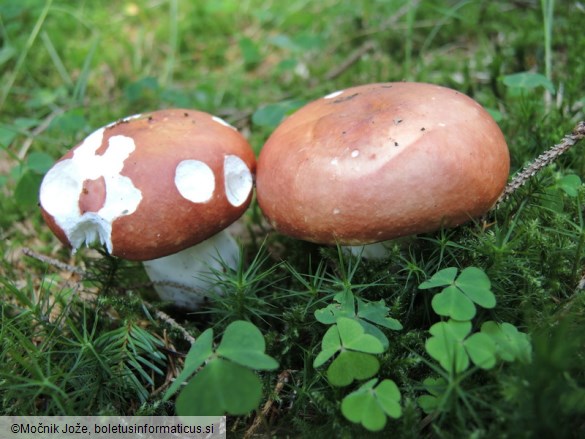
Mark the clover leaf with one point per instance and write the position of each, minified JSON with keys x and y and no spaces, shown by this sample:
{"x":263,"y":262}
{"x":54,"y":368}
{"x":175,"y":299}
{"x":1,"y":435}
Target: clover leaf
{"x":222,"y":381}
{"x":511,"y":344}
{"x":452,"y":303}
{"x":354,"y":345}
{"x":344,"y":306}
{"x":220,"y":387}
{"x":452,"y":345}
{"x":330,"y":345}
{"x":528,"y":81}
{"x":243,"y":343}
{"x":481,"y":350}
{"x":368,"y":314}
{"x":377,"y":312}
{"x":349,"y":366}
{"x":440,"y":279}
{"x":569,"y":184}
{"x":371,"y":405}
{"x":200,"y":351}
{"x":436,"y":388}
{"x":460,"y":295}
{"x":446,"y":346}
{"x":453,"y":348}
{"x":475,"y":284}
{"x":353,"y":337}
{"x":346,"y":334}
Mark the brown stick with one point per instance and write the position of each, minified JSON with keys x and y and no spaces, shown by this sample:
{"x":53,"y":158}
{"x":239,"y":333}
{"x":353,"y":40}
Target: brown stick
{"x":161,"y":315}
{"x":52,"y":261}
{"x":282,"y":380}
{"x":353,"y":57}
{"x":543,"y":160}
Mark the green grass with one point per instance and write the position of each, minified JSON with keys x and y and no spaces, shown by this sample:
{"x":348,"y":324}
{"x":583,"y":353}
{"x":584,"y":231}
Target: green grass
{"x":87,"y":336}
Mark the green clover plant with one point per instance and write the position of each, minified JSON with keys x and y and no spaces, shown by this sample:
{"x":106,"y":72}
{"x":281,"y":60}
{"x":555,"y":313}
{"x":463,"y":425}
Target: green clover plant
{"x":371,"y":405}
{"x":518,"y":82}
{"x":438,"y":395}
{"x":511,"y":344}
{"x":368,"y":314}
{"x":354,"y":361}
{"x":555,"y":195}
{"x":453,"y":344}
{"x":352,"y":341}
{"x":453,"y":347}
{"x":569,"y":184}
{"x":222,"y":381}
{"x":460,"y":295}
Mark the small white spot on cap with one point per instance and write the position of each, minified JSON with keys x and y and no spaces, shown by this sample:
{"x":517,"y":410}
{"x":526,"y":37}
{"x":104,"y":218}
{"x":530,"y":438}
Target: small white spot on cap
{"x":223,"y":122}
{"x":441,"y":124}
{"x":336,"y":211}
{"x":238,"y":180}
{"x":195,"y":181}
{"x":355,"y":153}
{"x":334,"y":94}
{"x":334,"y":161}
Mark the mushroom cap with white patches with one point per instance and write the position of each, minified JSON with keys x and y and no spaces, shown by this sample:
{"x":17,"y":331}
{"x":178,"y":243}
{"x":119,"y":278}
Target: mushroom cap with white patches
{"x":379,"y":161}
{"x":150,"y":185}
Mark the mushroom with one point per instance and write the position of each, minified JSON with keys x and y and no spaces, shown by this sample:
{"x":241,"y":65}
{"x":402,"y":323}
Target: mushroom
{"x":158,"y":187}
{"x":380,"y":161}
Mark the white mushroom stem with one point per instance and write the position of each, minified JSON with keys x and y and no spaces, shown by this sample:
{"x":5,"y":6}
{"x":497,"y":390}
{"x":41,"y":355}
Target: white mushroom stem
{"x":377,"y":250}
{"x":186,"y":277}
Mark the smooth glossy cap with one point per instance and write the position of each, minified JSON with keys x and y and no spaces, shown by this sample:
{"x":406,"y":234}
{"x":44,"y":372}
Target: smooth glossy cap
{"x":379,"y":161}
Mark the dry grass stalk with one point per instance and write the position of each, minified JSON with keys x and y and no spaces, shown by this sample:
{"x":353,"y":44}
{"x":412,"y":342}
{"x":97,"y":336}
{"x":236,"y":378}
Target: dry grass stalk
{"x":543,"y":160}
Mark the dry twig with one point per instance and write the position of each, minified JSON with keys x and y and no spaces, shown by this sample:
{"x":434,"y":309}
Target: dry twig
{"x":282,"y":380}
{"x":52,"y":262}
{"x":353,"y":57}
{"x":543,"y":160}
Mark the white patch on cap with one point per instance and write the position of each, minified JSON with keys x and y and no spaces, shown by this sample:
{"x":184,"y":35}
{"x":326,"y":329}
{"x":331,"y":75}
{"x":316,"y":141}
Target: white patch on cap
{"x":335,"y":161}
{"x":336,"y":211}
{"x":195,"y":181}
{"x":441,"y":124}
{"x":334,"y":94}
{"x":238,"y":180}
{"x":63,"y":184}
{"x":223,"y":122}
{"x":355,"y":153}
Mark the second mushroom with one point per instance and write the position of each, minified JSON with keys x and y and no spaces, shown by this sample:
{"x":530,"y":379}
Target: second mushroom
{"x":159,"y":187}
{"x":380,"y":161}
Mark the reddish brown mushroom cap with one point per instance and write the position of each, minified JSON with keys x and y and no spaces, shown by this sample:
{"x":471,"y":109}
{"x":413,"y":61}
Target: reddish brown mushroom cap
{"x":379,"y":161}
{"x":150,"y":185}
